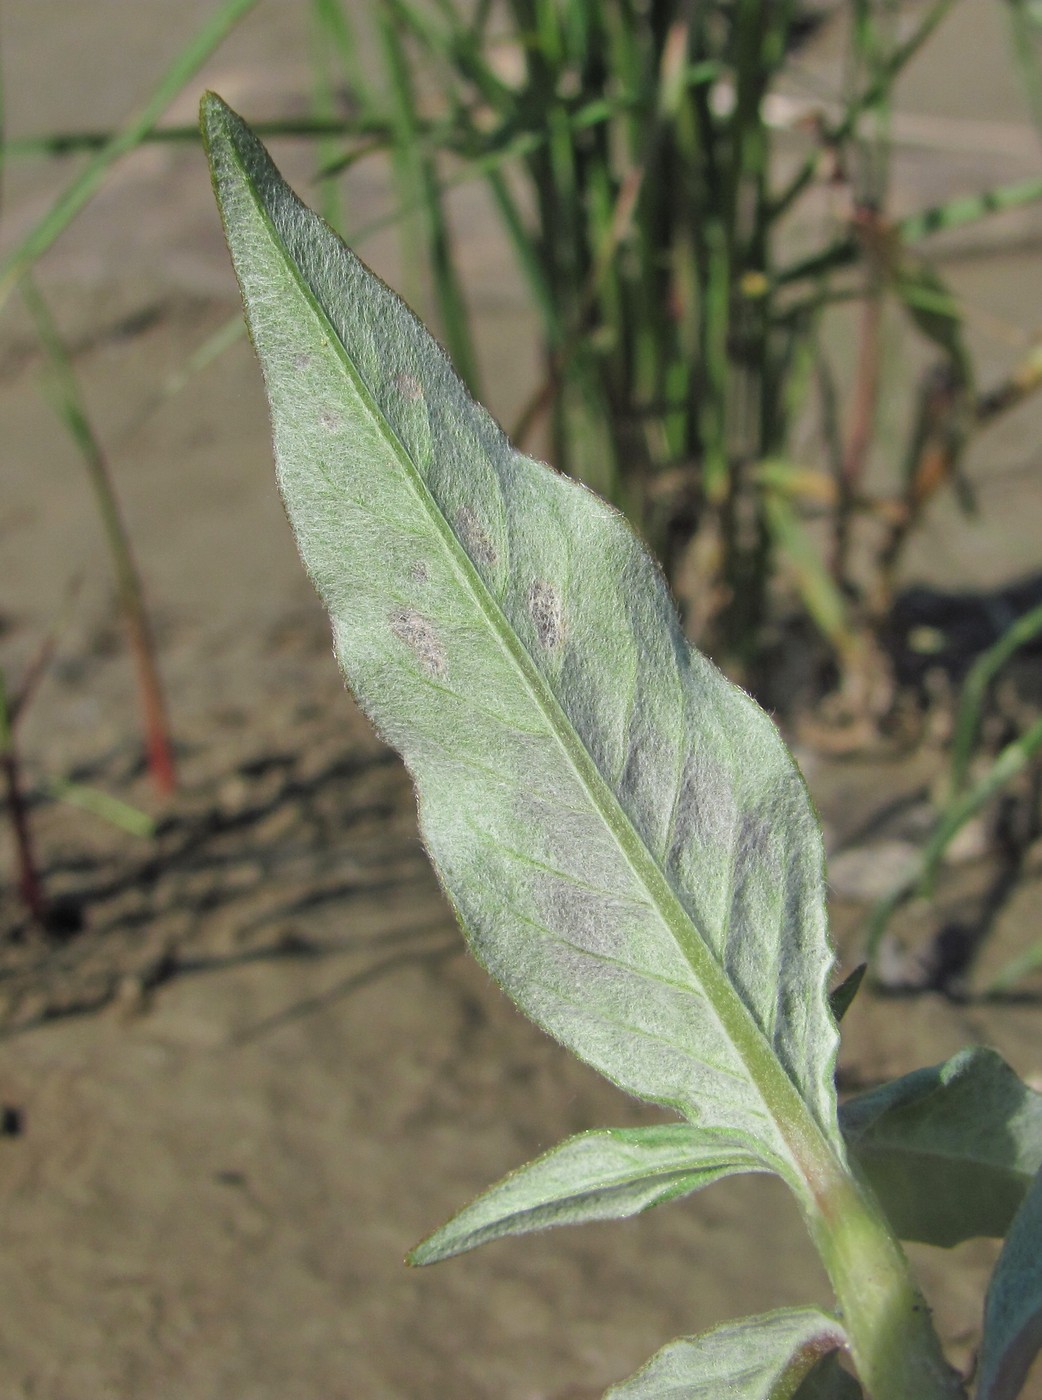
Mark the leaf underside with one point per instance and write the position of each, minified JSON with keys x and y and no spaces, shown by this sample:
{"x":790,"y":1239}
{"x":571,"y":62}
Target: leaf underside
{"x":1012,"y":1336}
{"x":624,"y":838}
{"x":758,"y":1358}
{"x":609,"y":1174}
{"x":949,"y":1151}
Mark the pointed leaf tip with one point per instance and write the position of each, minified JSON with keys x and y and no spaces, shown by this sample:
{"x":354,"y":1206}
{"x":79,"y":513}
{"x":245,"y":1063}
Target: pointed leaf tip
{"x":609,"y":1174}
{"x":212,"y":109}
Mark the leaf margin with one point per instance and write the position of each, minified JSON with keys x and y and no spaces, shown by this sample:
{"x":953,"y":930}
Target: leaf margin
{"x":815,"y":1334}
{"x":488,"y":1217}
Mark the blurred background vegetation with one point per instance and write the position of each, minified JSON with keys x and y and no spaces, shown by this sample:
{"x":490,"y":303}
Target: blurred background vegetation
{"x":742,"y":337}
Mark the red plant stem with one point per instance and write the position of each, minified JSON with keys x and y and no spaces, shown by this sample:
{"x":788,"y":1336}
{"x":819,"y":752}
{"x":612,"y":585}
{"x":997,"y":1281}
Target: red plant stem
{"x":859,"y":439}
{"x":875,"y":237}
{"x":70,"y":406}
{"x":30,"y":886}
{"x":158,"y":746}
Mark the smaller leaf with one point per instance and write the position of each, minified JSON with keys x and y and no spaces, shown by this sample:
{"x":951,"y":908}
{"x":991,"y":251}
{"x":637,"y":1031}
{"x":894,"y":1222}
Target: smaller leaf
{"x":1013,"y":1308}
{"x":840,"y":997}
{"x":949,"y":1151}
{"x":766,"y":1357}
{"x":609,"y":1174}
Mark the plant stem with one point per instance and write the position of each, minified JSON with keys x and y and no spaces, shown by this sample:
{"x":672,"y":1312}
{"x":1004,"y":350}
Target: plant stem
{"x":862,"y":423}
{"x":30,"y":886}
{"x":893,"y":1342}
{"x":72,"y":410}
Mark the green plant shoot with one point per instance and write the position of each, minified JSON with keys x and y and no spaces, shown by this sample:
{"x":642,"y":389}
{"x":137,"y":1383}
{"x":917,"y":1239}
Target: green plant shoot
{"x":625,"y":840}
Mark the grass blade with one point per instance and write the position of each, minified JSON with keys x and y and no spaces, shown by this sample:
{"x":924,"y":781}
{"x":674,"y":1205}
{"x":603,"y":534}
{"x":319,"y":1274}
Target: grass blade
{"x":939,"y":218}
{"x":821,"y":595}
{"x":87,"y":183}
{"x":122,"y":815}
{"x":417,"y":173}
{"x":1026,"y":33}
{"x":983,"y":671}
{"x":1012,"y":760}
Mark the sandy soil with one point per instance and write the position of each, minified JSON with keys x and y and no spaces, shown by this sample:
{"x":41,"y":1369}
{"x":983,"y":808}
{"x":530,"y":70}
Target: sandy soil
{"x":259,"y":1066}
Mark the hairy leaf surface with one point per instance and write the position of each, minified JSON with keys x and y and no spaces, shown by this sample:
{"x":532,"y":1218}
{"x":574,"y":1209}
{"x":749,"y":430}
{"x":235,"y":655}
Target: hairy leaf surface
{"x":609,"y":1174}
{"x":620,"y":830}
{"x":1013,"y":1309}
{"x":950,"y":1151}
{"x":759,"y":1358}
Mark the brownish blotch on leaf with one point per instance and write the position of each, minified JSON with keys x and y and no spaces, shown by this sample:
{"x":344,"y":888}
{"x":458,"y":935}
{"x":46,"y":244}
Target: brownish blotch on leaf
{"x":408,"y":386}
{"x":475,"y":538}
{"x":420,"y":636}
{"x":544,"y":607}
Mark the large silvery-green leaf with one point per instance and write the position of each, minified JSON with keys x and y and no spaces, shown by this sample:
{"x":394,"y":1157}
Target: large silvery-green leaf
{"x":620,"y":830}
{"x":759,"y":1358}
{"x":1012,"y":1335}
{"x":608,"y":1174}
{"x":949,"y":1151}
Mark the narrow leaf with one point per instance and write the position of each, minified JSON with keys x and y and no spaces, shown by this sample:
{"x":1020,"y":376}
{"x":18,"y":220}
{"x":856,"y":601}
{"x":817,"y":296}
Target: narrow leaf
{"x":610,"y":1174}
{"x":961,"y":807}
{"x":823,"y":599}
{"x":623,"y":835}
{"x":759,"y":1358}
{"x":841,"y":997}
{"x":950,"y":1151}
{"x":934,"y":310}
{"x":1013,"y":1308}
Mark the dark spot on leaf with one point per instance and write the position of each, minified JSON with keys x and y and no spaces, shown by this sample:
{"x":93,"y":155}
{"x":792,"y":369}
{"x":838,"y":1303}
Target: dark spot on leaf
{"x":408,"y":387}
{"x":419,"y":635}
{"x":475,"y":537}
{"x":544,"y":606}
{"x":329,"y":420}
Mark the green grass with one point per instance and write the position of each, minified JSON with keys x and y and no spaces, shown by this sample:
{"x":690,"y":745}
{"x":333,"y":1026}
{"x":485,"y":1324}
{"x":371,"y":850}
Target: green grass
{"x":627,"y":156}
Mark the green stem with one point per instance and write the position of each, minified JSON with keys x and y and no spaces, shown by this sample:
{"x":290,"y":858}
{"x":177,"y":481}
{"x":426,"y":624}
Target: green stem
{"x":893,"y":1342}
